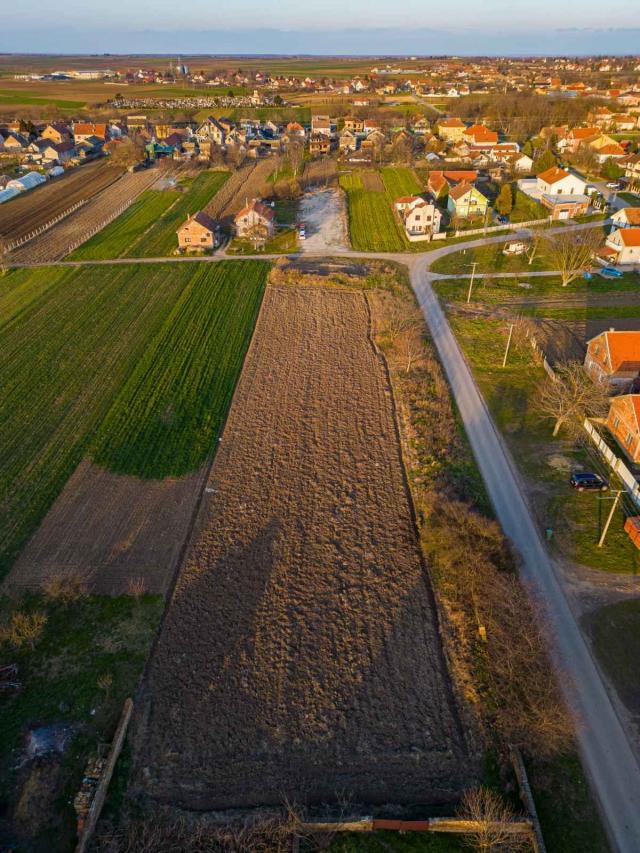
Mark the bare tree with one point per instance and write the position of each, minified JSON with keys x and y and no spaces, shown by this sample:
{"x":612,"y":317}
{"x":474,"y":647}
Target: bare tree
{"x":400,"y":319}
{"x":295,"y":153}
{"x":572,"y":251}
{"x":491,"y":817}
{"x":571,"y":397}
{"x":537,"y":239}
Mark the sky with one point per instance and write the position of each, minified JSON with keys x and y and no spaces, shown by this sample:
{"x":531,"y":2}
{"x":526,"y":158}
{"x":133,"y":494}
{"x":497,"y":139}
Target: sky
{"x":323,"y":27}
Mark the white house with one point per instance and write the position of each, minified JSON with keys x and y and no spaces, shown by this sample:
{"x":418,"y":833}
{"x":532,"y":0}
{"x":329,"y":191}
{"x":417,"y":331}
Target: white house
{"x":556,"y":181}
{"x":626,"y":217}
{"x":421,"y":218}
{"x":624,"y":245}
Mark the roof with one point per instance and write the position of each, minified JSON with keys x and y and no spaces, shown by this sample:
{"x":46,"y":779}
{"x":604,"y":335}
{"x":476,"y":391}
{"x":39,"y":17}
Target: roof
{"x":259,"y":207}
{"x":202,"y":219}
{"x":584,"y":132}
{"x":451,"y":122}
{"x":612,"y":150}
{"x":553,"y":175}
{"x":461,"y":190}
{"x":567,"y":198}
{"x":623,"y":348}
{"x":631,"y":214}
{"x":88,"y":128}
{"x":630,"y":236}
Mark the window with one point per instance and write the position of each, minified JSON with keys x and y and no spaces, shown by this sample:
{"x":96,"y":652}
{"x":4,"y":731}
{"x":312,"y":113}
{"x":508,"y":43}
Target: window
{"x":628,"y":439}
{"x":187,"y":239}
{"x":204,"y":238}
{"x":616,"y":422}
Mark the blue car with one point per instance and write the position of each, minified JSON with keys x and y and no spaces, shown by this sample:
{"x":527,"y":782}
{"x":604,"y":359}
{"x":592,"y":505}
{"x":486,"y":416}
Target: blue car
{"x":611,"y":271}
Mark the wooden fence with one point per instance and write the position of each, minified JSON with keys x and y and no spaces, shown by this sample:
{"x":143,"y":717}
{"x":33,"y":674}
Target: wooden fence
{"x":616,"y":464}
{"x":47,"y":225}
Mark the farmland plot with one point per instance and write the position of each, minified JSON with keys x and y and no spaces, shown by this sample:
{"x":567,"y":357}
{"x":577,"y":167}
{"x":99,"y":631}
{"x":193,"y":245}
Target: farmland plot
{"x":160,"y":240}
{"x":128,"y":229}
{"x":32,"y":209}
{"x":70,"y":355}
{"x":247,"y":183}
{"x":167,"y":401}
{"x":82,"y":224}
{"x":300,"y":655}
{"x":372,"y":224}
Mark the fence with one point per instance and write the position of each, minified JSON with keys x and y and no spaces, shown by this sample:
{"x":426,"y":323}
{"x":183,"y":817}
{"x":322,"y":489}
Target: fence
{"x":25,"y":239}
{"x":614,"y":461}
{"x":103,"y":223}
{"x":510,"y":226}
{"x":545,"y":363}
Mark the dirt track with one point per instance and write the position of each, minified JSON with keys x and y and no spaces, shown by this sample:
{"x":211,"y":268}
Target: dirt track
{"x":300,"y":655}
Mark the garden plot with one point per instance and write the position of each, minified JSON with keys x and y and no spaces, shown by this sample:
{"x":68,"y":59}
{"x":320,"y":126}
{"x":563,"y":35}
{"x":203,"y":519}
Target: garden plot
{"x":300,"y":656}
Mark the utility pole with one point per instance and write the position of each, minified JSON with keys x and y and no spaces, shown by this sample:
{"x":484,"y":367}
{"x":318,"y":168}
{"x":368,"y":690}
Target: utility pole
{"x":506,"y":352}
{"x":473,"y":272}
{"x":613,"y":509}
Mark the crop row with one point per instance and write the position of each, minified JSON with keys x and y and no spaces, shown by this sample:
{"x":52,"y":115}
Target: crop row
{"x":83,"y":224}
{"x":167,"y":418}
{"x":373,"y":226}
{"x":71,"y":339}
{"x":115,"y":240}
{"x":160,"y":240}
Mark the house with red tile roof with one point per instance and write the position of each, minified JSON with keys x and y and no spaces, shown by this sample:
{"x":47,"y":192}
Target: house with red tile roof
{"x":623,"y":422}
{"x":198,"y":232}
{"x":614,"y":357}
{"x":256,"y":216}
{"x":623,"y":246}
{"x":626,"y":217}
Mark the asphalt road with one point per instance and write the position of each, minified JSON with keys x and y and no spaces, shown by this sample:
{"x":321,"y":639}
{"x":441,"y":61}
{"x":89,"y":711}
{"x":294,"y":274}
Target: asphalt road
{"x":607,"y":754}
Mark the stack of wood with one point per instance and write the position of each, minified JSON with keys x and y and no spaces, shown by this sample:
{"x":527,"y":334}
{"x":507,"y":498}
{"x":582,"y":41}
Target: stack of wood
{"x":84,"y":797}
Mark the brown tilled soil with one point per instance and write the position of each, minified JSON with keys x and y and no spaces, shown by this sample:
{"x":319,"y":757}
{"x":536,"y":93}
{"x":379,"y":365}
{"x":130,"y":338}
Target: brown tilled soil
{"x":111,"y":528}
{"x":372,"y":181}
{"x":300,"y":655}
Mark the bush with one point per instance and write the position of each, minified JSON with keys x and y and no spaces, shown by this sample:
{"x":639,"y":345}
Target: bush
{"x":24,"y":629}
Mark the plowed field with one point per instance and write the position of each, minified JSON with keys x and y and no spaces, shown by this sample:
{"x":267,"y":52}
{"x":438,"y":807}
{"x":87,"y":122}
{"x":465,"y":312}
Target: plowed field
{"x":32,"y":209}
{"x":300,"y":655}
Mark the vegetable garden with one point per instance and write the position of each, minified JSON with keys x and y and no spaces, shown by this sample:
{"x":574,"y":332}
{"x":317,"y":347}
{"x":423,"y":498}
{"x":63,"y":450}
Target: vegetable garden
{"x":372,"y":224}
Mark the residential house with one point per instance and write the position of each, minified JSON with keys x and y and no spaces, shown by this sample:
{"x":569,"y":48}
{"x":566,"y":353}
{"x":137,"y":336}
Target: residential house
{"x":321,"y":124}
{"x":623,"y":123}
{"x":294,"y":130}
{"x":354,"y":124}
{"x":479,"y":135}
{"x":466,"y":201}
{"x":198,"y":232}
{"x":632,"y":168}
{"x":347,"y":141}
{"x":440,"y":181}
{"x":84,"y":131}
{"x":576,"y":137}
{"x":256,"y":217}
{"x":556,"y":181}
{"x":56,"y":133}
{"x":421,"y":126}
{"x":566,"y":206}
{"x":420,"y":218}
{"x":626,"y":217}
{"x":212,"y":131}
{"x":614,"y":357}
{"x":319,"y":144}
{"x":622,"y":246}
{"x":623,"y":422}
{"x":451,"y":129}
{"x":609,"y":152}
{"x":14,"y":143}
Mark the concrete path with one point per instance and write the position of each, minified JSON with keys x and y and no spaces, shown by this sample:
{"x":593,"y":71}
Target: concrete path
{"x":607,"y":754}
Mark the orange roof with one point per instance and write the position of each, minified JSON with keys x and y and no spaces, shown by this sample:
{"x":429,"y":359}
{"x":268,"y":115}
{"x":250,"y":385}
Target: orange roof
{"x":584,"y":132}
{"x":460,"y":191}
{"x":88,"y":128}
{"x":612,"y":150}
{"x":553,"y":175}
{"x":632,"y":214}
{"x":451,"y":122}
{"x":623,"y":349}
{"x":630,"y":236}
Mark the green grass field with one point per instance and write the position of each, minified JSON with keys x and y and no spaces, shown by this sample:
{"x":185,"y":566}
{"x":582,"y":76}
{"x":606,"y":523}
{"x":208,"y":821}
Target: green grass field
{"x":630,"y":199}
{"x":75,"y":341}
{"x":372,"y":224}
{"x":166,"y":420}
{"x":11,"y":96}
{"x":125,"y":232}
{"x":160,"y":240}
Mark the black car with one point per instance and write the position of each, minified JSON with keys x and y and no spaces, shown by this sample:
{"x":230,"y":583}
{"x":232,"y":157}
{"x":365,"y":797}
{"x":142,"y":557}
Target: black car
{"x":587,"y":481}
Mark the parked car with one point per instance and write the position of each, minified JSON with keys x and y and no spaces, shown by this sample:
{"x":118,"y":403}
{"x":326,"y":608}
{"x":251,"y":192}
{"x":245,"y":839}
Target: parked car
{"x":302,"y":231}
{"x":613,"y":185}
{"x":612,"y":272}
{"x":587,"y":481}
{"x":502,"y":219}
